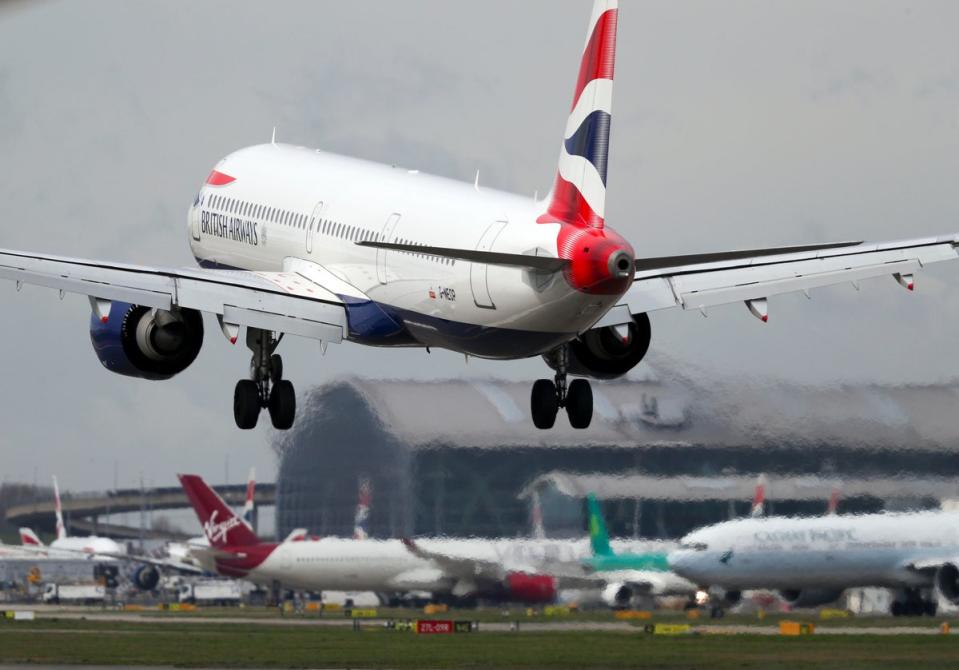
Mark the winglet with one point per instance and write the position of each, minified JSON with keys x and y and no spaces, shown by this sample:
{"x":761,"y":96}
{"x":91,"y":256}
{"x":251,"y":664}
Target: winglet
{"x":61,"y":529}
{"x":598,"y":535}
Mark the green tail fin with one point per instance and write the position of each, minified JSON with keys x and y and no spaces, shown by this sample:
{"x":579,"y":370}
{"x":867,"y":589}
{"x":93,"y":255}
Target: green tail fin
{"x":598,"y":536}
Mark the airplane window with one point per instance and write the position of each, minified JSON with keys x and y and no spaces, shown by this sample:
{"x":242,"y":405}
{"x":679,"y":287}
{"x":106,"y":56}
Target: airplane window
{"x":695,"y":546}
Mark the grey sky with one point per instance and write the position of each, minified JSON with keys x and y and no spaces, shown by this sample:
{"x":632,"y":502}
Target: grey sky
{"x":736,"y":124}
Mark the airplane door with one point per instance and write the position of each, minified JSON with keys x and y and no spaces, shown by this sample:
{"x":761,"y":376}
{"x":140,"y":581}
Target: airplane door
{"x":313,"y":226}
{"x":478,"y":271}
{"x":195,"y":219}
{"x":385,"y":236}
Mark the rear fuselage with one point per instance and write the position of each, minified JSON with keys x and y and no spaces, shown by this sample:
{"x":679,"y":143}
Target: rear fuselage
{"x":265,"y":205}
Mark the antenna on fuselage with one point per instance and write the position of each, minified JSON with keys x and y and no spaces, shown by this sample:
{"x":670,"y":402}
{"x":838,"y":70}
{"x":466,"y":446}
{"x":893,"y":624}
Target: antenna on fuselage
{"x":273,"y":139}
{"x":476,"y":181}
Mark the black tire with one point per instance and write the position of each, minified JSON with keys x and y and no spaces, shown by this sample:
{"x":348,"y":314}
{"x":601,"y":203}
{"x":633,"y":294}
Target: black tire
{"x":246,"y":404}
{"x":579,"y":403}
{"x":544,"y":404}
{"x":282,"y":405}
{"x":276,"y":367}
{"x":930,"y":607}
{"x":896,"y":609}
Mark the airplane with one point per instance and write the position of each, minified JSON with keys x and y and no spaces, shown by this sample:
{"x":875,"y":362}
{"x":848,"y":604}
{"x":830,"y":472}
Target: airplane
{"x":811,"y":561}
{"x":459,"y":570}
{"x":67,"y":546}
{"x":361,"y":521}
{"x":629,"y":576}
{"x":249,"y":508}
{"x":297,"y":241}
{"x":758,"y":508}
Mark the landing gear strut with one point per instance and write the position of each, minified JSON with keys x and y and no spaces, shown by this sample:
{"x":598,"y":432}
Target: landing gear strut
{"x":550,"y":394}
{"x":266,"y":387}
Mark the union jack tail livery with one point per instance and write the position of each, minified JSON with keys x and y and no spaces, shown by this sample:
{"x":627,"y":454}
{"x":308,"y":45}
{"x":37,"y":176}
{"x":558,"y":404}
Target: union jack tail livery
{"x":361,"y":522}
{"x":29,"y":539}
{"x":759,"y":499}
{"x":579,"y":194}
{"x":61,"y":529}
{"x":221,"y":526}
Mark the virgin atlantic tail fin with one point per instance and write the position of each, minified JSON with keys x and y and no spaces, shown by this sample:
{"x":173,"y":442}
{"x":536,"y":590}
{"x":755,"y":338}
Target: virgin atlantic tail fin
{"x":222,"y":527}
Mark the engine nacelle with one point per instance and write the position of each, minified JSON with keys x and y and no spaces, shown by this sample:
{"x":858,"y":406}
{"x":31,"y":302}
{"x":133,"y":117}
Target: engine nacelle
{"x":139,"y":341}
{"x":617,"y":595}
{"x":526,"y":588}
{"x":809,"y":597}
{"x":146,"y":577}
{"x":947,"y":582}
{"x":602,"y":353}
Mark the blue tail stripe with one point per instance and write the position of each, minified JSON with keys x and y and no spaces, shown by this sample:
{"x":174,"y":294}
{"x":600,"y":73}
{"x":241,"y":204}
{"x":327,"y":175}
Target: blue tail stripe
{"x":591,"y":141}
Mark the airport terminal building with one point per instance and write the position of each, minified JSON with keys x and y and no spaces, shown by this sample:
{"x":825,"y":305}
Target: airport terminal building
{"x":462,"y":458}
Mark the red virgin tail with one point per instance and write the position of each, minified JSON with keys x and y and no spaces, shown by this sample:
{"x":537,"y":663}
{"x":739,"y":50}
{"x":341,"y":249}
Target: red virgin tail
{"x":222,"y":527}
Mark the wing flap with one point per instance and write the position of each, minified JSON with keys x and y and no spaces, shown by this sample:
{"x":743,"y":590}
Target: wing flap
{"x":702,"y":285}
{"x":288,"y":302}
{"x":540,"y":263}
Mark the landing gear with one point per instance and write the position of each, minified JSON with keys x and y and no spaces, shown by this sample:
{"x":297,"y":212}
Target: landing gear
{"x":912,"y":602}
{"x":266,"y":387}
{"x":550,"y":394}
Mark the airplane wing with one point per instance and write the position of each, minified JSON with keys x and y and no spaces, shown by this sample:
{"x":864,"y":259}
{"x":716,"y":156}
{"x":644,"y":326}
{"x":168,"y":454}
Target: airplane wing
{"x":455,"y":566}
{"x":703,"y":281}
{"x":291,"y":302}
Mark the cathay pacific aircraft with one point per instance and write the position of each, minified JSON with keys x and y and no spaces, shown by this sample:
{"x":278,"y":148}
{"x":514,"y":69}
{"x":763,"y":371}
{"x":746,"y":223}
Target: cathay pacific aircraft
{"x":811,"y":561}
{"x":292,"y":240}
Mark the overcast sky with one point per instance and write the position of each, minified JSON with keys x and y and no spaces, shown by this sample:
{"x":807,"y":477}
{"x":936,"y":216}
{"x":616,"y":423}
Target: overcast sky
{"x":736,"y":124}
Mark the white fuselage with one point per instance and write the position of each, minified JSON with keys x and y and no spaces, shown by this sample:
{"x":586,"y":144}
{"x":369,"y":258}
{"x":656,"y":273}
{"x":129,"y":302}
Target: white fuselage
{"x":91,"y":544}
{"x":287,"y":203}
{"x":824,"y":552}
{"x":344,"y":564}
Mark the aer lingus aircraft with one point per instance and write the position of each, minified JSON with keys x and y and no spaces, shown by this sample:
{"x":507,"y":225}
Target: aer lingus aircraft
{"x":296,"y":241}
{"x":629,"y":576}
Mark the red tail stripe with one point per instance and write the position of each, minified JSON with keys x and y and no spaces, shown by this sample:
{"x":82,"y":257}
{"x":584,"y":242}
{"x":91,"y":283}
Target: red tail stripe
{"x":569,"y":206}
{"x":600,"y":55}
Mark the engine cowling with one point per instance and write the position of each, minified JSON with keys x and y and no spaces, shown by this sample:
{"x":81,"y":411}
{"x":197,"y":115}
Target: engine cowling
{"x":617,"y":595}
{"x":527,"y":588}
{"x":139,"y":341}
{"x":146,"y":577}
{"x":947,"y":582}
{"x":602,"y":353}
{"x":809,"y":597}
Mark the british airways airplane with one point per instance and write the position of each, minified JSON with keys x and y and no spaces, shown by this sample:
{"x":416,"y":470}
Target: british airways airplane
{"x":295,"y":241}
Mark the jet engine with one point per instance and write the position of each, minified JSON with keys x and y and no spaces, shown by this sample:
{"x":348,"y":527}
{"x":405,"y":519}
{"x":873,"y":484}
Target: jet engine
{"x":146,"y":577}
{"x":947,"y":582}
{"x":608,"y":352}
{"x":809,"y":597}
{"x":526,"y":588}
{"x":148,"y":343}
{"x":617,"y":595}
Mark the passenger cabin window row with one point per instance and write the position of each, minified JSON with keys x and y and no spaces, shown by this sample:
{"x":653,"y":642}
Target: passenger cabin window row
{"x":301,"y":221}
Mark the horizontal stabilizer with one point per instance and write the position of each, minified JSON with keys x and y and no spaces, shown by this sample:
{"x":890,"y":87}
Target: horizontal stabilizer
{"x":720,"y":256}
{"x":541,"y":263}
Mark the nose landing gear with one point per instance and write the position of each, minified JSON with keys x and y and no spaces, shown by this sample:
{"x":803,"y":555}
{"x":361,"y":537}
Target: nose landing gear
{"x":549,"y":395}
{"x":266,"y":387}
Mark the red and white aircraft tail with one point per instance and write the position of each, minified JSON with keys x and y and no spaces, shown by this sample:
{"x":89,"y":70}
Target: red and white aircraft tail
{"x":833,"y":505}
{"x":61,"y":529}
{"x":361,"y":522}
{"x":759,"y":498}
{"x":536,"y":512}
{"x":222,"y":527}
{"x":29,"y":539}
{"x":248,"y":505}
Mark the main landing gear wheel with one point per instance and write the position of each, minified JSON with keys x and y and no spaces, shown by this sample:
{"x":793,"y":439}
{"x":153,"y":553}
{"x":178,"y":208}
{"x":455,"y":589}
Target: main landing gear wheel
{"x":544,"y":403}
{"x":548,"y":396}
{"x":266,"y":388}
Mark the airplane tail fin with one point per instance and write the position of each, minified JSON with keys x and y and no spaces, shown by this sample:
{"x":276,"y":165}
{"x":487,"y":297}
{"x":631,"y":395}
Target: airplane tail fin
{"x":29,"y":539}
{"x":833,"y":506}
{"x":248,"y":506}
{"x":598,"y":535}
{"x":759,"y":499}
{"x":579,"y":193}
{"x":222,"y":527}
{"x":61,"y":529}
{"x":539,"y":532}
{"x":361,"y":522}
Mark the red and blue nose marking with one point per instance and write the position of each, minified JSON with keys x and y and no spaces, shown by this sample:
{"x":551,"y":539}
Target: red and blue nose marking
{"x":601,"y":261}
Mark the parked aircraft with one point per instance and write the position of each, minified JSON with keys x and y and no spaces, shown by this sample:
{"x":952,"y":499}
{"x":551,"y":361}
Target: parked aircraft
{"x":69,"y":546}
{"x":455,"y":569}
{"x":302,"y":242}
{"x":629,"y":576}
{"x":811,"y":561}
